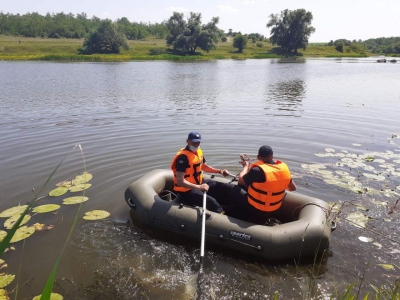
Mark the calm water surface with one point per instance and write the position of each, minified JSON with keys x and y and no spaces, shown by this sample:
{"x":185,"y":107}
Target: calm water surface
{"x":132,"y":117}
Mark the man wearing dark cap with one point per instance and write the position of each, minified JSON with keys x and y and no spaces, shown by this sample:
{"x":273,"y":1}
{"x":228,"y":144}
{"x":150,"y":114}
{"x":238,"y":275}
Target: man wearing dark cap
{"x":187,"y":166}
{"x":266,"y":182}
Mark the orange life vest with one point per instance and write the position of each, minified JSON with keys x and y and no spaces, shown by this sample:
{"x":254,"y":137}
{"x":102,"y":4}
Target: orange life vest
{"x":193,"y":173}
{"x":268,"y":195}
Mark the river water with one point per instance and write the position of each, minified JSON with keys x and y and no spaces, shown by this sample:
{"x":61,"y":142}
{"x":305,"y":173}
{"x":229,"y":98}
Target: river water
{"x":132,"y":117}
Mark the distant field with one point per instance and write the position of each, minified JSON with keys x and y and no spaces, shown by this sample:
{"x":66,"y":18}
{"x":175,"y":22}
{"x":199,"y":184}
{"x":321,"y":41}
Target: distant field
{"x":21,"y":48}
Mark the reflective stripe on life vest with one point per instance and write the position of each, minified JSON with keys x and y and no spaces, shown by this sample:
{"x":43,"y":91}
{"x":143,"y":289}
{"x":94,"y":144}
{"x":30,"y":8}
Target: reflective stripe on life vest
{"x":193,"y":172}
{"x":268,"y":196}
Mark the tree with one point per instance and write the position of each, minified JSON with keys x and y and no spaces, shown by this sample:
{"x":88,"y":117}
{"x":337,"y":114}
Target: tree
{"x":240,"y":42}
{"x":291,"y":29}
{"x":188,"y":35}
{"x":106,"y":39}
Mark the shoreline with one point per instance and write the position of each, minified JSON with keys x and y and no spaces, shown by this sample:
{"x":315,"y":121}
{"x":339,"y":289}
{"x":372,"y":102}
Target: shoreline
{"x":14,"y":48}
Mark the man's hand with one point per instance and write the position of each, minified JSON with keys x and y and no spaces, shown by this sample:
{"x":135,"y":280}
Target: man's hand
{"x":203,"y":187}
{"x":225,"y":173}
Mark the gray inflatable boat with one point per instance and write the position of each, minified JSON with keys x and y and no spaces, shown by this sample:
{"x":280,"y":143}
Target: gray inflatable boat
{"x":306,"y":231}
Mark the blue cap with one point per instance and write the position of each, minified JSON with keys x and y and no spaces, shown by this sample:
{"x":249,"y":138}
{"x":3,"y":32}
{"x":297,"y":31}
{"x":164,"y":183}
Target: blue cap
{"x":194,"y":137}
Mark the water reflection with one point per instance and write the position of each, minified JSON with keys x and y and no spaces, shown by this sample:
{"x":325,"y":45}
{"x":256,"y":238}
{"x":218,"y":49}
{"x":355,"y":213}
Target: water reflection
{"x":192,"y":86}
{"x":285,"y":97}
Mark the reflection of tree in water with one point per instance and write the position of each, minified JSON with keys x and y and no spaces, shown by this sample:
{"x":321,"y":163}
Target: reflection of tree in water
{"x":286,"y":96}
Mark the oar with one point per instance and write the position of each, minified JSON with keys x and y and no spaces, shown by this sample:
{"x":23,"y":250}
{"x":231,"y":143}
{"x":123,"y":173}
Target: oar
{"x":193,"y":287}
{"x":203,"y":232}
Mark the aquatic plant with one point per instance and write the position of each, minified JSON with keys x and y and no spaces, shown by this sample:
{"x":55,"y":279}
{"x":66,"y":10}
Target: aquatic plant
{"x":18,"y":216}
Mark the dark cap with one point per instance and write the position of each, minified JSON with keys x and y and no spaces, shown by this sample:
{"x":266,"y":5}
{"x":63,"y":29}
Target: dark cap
{"x":194,"y":137}
{"x":265,"y":151}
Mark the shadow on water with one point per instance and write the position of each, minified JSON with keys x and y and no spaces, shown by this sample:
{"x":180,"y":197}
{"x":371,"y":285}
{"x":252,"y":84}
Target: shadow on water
{"x":131,"y":262}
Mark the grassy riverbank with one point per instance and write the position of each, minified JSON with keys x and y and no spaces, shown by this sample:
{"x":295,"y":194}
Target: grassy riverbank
{"x":20,"y":48}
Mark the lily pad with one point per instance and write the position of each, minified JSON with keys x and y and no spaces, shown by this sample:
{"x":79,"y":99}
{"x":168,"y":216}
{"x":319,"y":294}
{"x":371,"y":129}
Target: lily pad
{"x":66,"y":183}
{"x":329,"y":150}
{"x":84,"y":178}
{"x":41,"y":227}
{"x":365,"y":239}
{"x":361,"y":207}
{"x":381,"y":203}
{"x":357,"y":219}
{"x":46,"y":208}
{"x":379,"y":245}
{"x":58,"y":191}
{"x":369,"y":158}
{"x":3,"y":295}
{"x":16,"y":210}
{"x":9,"y":223}
{"x":2,"y":235}
{"x":75,"y":200}
{"x":96,"y":215}
{"x":79,"y":187}
{"x":6,"y":279}
{"x":53,"y":296}
{"x":22,"y":233}
{"x":386,"y":266}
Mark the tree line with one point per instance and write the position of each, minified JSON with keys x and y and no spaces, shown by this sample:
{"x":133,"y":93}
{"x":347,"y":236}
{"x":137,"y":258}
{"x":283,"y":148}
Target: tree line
{"x":290,"y":30}
{"x":61,"y":25}
{"x":378,"y":45}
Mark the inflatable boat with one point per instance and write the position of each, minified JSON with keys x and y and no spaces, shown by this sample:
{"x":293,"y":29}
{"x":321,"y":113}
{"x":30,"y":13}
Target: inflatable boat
{"x":305,"y":231}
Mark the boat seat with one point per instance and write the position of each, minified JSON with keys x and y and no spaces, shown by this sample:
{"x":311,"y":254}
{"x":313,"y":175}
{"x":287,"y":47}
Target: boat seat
{"x":170,"y":196}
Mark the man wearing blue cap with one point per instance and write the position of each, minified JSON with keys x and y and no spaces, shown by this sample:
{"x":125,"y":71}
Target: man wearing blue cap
{"x":187,"y":166}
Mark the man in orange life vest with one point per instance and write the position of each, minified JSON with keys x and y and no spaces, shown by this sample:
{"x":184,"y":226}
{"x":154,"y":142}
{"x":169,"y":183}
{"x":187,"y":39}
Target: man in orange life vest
{"x":187,"y":166}
{"x":266,"y":181}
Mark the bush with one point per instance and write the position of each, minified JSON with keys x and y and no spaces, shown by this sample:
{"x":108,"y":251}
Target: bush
{"x":106,"y":39}
{"x":339,"y":47}
{"x":259,"y":45}
{"x":240,"y":42}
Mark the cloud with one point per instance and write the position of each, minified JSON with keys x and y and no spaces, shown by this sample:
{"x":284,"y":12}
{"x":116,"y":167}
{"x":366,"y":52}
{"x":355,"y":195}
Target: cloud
{"x":178,"y":9}
{"x":227,"y":9}
{"x":248,"y":2}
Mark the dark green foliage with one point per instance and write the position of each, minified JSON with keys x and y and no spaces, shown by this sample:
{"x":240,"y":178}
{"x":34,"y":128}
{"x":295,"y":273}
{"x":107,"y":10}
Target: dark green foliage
{"x":382,"y":45}
{"x":291,"y":29}
{"x":343,"y":42}
{"x":187,"y":36}
{"x":357,"y":47}
{"x":255,"y":36}
{"x":240,"y":42}
{"x":339,"y":47}
{"x":63,"y":25}
{"x":224,"y":39}
{"x":106,"y":39}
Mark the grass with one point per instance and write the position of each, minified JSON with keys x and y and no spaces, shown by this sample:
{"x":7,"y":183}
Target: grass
{"x":21,"y":48}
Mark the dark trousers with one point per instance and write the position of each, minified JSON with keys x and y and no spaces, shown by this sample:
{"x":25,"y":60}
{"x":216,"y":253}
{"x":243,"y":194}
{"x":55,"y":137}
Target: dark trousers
{"x":236,"y":204}
{"x":195,"y":197}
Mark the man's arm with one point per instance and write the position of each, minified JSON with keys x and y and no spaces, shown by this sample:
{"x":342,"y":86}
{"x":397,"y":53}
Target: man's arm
{"x":181,"y":181}
{"x":207,"y":168}
{"x":245,"y":170}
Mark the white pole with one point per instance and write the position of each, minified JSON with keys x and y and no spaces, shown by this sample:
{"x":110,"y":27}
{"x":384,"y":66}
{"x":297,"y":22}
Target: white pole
{"x":203,"y":231}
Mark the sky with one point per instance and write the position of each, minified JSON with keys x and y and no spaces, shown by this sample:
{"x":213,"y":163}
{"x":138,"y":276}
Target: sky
{"x":334,"y":19}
